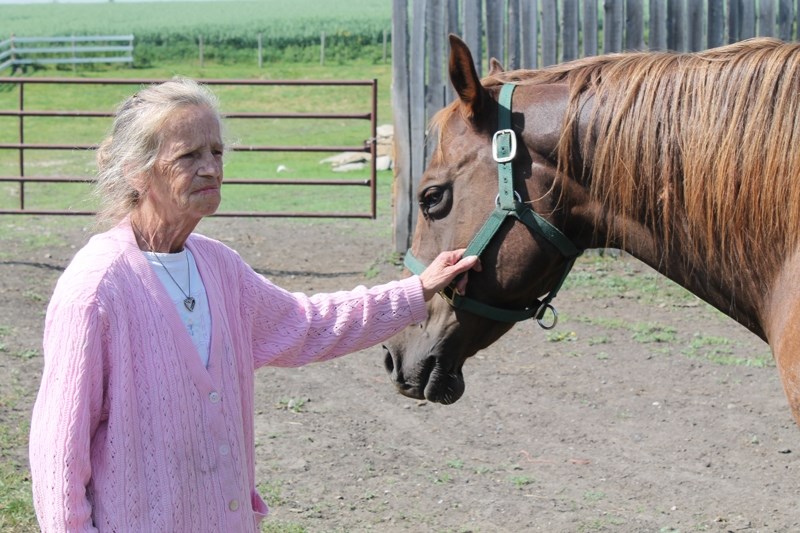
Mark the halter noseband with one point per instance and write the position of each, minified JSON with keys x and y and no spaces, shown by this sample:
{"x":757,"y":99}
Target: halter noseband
{"x":508,"y":203}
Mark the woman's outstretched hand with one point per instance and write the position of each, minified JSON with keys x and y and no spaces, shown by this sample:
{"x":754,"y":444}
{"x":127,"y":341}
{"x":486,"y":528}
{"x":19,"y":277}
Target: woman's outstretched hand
{"x":444,"y":269}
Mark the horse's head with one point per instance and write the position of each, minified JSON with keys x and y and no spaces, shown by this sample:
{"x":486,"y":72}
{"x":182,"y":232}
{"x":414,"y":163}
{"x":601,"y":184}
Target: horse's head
{"x":524,"y":254}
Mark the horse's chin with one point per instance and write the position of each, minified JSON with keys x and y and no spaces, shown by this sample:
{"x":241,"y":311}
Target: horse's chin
{"x":444,"y":387}
{"x":436,"y":385}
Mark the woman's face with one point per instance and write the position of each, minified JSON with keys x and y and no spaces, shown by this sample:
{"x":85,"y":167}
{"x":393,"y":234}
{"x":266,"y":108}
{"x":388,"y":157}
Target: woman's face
{"x":186,"y":180}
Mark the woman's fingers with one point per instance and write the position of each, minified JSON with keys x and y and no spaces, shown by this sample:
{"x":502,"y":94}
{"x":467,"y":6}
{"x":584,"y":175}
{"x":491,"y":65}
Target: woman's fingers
{"x":444,"y":269}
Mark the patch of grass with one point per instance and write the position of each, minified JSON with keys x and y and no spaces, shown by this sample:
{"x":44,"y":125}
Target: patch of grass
{"x":458,"y":464}
{"x":644,"y":332}
{"x":601,"y":339}
{"x":647,"y":332}
{"x":271,"y":491}
{"x":16,"y":503}
{"x":27,"y":354}
{"x":606,"y":523}
{"x":281,"y":526}
{"x":604,"y":322}
{"x":594,"y":495}
{"x":522,"y":481}
{"x":33,"y":296}
{"x":599,"y":276}
{"x":720,"y":350}
{"x":560,"y":336}
{"x":295,"y":405}
{"x":441,"y":478}
{"x":373,"y":270}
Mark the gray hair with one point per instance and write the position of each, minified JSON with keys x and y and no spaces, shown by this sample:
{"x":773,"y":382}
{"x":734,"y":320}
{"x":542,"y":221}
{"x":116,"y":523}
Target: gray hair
{"x":129,"y":153}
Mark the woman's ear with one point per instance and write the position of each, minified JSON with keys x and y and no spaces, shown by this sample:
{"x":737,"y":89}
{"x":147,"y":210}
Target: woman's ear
{"x":139,"y":182}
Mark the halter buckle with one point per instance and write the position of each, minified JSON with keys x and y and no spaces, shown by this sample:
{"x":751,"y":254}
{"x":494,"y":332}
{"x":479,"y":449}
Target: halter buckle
{"x":448,"y":293}
{"x":511,"y":144}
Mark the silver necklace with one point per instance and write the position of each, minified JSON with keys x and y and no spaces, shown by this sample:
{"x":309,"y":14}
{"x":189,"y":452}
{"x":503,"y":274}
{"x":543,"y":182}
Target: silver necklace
{"x":188,"y":301}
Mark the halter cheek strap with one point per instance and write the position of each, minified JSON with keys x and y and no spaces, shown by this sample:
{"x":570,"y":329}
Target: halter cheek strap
{"x":508,"y":204}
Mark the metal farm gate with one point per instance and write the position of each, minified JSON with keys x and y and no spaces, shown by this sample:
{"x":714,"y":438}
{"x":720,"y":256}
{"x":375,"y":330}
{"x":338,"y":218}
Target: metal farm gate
{"x":534,"y":34}
{"x":22,"y":177}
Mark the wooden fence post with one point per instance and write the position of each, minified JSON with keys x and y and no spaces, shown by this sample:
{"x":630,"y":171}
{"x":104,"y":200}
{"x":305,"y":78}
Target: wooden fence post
{"x":748,"y":19}
{"x":612,"y":27}
{"x":200,"y":46}
{"x":513,"y":36}
{"x":676,"y":26}
{"x":734,"y":21}
{"x":495,"y":15}
{"x":454,"y":27}
{"x":401,"y":187}
{"x":434,"y":87}
{"x":549,"y":32}
{"x":589,"y":28}
{"x":322,"y":48}
{"x":716,"y":24}
{"x":766,"y":18}
{"x":473,"y":31}
{"x":785,"y":19}
{"x":569,"y":19}
{"x":634,"y":22}
{"x":530,"y":33}
{"x":695,"y":21}
{"x":658,"y":28}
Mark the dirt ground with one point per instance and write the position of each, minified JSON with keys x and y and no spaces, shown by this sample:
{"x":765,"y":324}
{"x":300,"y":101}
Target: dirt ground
{"x":635,"y":414}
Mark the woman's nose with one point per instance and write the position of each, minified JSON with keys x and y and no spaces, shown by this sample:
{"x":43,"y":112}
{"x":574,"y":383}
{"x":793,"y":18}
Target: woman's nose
{"x":210,"y":164}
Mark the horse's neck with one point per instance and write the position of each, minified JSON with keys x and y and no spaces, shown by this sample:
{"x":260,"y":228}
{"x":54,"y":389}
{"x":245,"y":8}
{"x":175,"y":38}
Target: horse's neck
{"x":739,"y":296}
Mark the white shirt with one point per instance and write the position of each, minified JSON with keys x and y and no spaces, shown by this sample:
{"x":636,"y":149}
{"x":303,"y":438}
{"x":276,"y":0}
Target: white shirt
{"x":185,"y":281}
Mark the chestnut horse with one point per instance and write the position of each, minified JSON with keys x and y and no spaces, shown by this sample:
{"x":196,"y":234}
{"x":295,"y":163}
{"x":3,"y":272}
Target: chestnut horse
{"x":688,"y":162}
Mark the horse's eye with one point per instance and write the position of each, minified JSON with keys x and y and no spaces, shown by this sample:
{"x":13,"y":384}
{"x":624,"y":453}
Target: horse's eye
{"x":433,"y":201}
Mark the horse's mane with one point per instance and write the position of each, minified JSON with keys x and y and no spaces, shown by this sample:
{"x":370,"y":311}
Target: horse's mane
{"x":705,"y":147}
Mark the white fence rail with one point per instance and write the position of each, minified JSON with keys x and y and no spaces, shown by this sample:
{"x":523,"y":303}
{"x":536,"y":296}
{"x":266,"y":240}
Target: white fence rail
{"x":73,"y":50}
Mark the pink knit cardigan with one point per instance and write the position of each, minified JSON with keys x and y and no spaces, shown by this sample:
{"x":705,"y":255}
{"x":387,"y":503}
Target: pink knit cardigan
{"x":130,"y":432}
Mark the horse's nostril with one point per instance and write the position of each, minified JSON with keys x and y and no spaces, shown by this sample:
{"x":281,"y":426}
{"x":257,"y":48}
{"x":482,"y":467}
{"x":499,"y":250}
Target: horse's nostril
{"x":388,"y":361}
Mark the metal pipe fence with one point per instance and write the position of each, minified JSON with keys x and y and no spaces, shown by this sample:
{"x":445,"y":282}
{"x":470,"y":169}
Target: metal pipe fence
{"x":22,"y":147}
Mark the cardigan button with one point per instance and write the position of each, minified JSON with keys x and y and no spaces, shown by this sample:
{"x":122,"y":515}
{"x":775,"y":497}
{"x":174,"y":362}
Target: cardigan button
{"x":214,"y":397}
{"x":233,"y":505}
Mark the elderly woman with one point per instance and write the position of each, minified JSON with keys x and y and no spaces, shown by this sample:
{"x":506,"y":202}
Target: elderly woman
{"x":144,"y":419}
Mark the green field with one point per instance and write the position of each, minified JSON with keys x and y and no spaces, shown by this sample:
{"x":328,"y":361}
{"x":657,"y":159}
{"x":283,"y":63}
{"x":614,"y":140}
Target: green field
{"x":170,"y":30}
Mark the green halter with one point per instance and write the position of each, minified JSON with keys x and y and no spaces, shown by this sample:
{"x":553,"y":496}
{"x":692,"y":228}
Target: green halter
{"x":508,"y":203}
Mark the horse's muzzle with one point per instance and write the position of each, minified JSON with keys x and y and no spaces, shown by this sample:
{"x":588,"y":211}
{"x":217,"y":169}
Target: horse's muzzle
{"x":394,"y":367}
{"x":428,"y":381}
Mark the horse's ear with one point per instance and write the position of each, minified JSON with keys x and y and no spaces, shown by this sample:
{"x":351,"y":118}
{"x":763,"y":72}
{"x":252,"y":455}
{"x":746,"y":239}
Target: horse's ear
{"x":495,"y":67}
{"x":464,"y":76}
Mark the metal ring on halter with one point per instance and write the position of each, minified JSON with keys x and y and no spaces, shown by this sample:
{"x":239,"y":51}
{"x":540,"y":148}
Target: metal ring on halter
{"x":540,"y":315}
{"x":516,"y":195}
